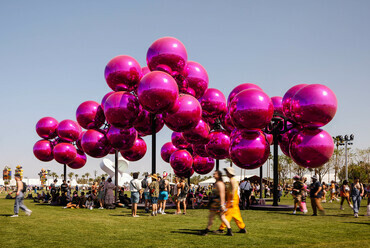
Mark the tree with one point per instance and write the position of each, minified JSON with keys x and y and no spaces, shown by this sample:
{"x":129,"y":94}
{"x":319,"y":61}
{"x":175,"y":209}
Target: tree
{"x":95,"y":172}
{"x":53,"y":174}
{"x":91,"y":180}
{"x":283,"y":168}
{"x":76,"y":176}
{"x":70,"y":175}
{"x":83,"y":179}
{"x":355,"y":170}
{"x":229,"y":161}
{"x":62,"y":176}
{"x":87,"y":174}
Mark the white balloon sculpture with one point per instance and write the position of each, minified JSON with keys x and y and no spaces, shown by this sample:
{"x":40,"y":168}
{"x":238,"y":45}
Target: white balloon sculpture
{"x":108,"y":167}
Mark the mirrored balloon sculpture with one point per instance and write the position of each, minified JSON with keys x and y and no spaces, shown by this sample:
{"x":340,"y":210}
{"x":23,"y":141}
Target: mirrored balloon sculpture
{"x":206,"y":126}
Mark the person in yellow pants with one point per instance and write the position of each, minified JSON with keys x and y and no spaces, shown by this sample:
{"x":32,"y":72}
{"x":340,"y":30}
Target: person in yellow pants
{"x":232,"y":204}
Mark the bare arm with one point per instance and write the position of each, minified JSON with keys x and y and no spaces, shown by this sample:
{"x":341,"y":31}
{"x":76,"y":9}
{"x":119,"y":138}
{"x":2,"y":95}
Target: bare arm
{"x":318,"y":190}
{"x":221,"y":190}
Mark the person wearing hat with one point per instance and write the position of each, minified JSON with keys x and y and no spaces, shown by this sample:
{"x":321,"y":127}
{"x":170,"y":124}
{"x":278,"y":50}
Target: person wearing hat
{"x":154,"y":193}
{"x":315,"y":195}
{"x":232,"y":202}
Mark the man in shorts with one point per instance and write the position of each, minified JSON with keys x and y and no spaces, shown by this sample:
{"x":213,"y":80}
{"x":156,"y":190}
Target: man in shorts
{"x":135,"y":188}
{"x":164,"y":188}
{"x":101,"y":194}
{"x":145,"y":186}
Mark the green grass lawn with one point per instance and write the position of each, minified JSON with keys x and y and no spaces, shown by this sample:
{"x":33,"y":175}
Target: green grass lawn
{"x":57,"y":227}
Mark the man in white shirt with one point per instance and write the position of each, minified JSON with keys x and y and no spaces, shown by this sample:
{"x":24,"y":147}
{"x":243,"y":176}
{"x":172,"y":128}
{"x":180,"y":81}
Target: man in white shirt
{"x":246,"y":190}
{"x":135,"y":188}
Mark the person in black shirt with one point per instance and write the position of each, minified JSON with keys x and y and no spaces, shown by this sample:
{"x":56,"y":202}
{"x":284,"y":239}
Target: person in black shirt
{"x":82,"y":201}
{"x":316,"y":195}
{"x":64,"y":187}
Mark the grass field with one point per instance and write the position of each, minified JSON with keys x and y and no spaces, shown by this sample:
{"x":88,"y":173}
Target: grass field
{"x":57,"y":227}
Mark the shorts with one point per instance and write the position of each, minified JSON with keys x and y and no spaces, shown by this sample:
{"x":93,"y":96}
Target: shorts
{"x":298,"y":198}
{"x":101,"y":195}
{"x":135,"y":196}
{"x":154,"y":200}
{"x":163,"y":196}
{"x":146,"y":196}
{"x":181,"y":198}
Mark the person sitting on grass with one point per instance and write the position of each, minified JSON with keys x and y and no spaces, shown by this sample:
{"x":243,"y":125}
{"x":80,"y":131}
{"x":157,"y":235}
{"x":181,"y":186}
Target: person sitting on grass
{"x":89,"y":203}
{"x":75,"y":201}
{"x":82,"y":201}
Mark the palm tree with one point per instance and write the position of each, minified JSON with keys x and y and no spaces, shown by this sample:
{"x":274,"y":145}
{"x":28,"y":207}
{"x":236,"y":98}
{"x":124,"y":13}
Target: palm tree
{"x":95,"y":172}
{"x":87,"y":174}
{"x":76,"y":175}
{"x":83,"y":178}
{"x":62,"y":176}
{"x":70,"y":175}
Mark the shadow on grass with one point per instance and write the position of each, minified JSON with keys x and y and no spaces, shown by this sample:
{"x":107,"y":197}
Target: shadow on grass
{"x":361,"y":223}
{"x":6,"y":215}
{"x":189,"y":231}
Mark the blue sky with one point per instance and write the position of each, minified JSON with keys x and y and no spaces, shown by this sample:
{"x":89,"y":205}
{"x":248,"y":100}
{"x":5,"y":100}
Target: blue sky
{"x":53,"y":55}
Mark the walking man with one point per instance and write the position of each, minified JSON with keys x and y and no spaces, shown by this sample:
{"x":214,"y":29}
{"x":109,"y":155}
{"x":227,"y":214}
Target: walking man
{"x":246,"y":189}
{"x":316,"y":195}
{"x":232,"y":203}
{"x":135,"y":188}
{"x":20,"y":197}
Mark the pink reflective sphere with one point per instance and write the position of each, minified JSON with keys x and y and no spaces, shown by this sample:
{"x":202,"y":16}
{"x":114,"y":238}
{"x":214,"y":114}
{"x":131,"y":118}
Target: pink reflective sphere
{"x":43,"y":150}
{"x":186,"y":117}
{"x":181,"y":161}
{"x":200,"y":149}
{"x":157,"y":92}
{"x":186,"y":174}
{"x":46,"y":127}
{"x":105,"y":99}
{"x":251,"y":109}
{"x":287,"y":98}
{"x":90,"y":115}
{"x":78,"y":142}
{"x":203,"y":165}
{"x":226,"y":123}
{"x":249,"y":150}
{"x":269,"y":138}
{"x":314,"y":105}
{"x":167,"y":54}
{"x":167,"y":150}
{"x":213,"y":103}
{"x":240,"y":88}
{"x":95,"y":143}
{"x":197,"y":78}
{"x":311,"y":148}
{"x":285,"y":140}
{"x":143,"y":122}
{"x":277,"y":101}
{"x":64,"y":153}
{"x":121,"y":139}
{"x":79,"y":161}
{"x":69,"y":130}
{"x":123,"y":73}
{"x":136,"y":152}
{"x":179,"y":141}
{"x":199,"y":134}
{"x":218,"y":145}
{"x":121,"y":109}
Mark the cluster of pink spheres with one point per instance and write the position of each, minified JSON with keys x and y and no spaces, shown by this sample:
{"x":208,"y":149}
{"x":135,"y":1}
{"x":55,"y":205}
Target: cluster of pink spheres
{"x":206,"y":126}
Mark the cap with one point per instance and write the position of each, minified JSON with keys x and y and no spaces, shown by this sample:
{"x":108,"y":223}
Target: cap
{"x":230,"y":170}
{"x":314,"y":177}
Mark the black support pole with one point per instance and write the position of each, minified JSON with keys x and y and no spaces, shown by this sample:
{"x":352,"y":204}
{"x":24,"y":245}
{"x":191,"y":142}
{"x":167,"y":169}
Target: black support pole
{"x":217,"y":164}
{"x":116,"y":173}
{"x":65,"y":172}
{"x":276,"y":164}
{"x":153,"y":145}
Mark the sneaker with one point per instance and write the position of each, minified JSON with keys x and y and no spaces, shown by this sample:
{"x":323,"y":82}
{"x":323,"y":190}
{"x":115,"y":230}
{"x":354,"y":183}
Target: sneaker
{"x":305,"y":211}
{"x":294,"y":212}
{"x":242,"y":230}
{"x":323,"y":201}
{"x":163,"y":213}
{"x":28,"y":212}
{"x":204,"y":232}
{"x":136,"y":216}
{"x":229,"y":232}
{"x":15,"y":215}
{"x":314,"y":215}
{"x":160,"y":211}
{"x":341,"y":208}
{"x":337,"y":200}
{"x":356,"y":215}
{"x":64,"y":207}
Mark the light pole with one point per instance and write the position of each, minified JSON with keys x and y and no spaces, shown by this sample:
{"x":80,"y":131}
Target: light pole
{"x":346,"y":141}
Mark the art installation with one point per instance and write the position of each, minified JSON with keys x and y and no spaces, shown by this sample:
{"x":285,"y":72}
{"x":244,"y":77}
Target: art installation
{"x":206,"y":126}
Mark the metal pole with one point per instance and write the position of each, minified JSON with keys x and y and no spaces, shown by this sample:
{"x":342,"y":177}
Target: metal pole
{"x":261,"y":182}
{"x":346,"y":161}
{"x":116,"y":173}
{"x":217,"y":164}
{"x":65,"y":172}
{"x":276,"y":165}
{"x":153,"y":145}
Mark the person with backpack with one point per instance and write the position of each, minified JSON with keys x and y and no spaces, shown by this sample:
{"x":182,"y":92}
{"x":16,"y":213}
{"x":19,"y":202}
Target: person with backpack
{"x":145,"y":186}
{"x":182,"y":193}
{"x":164,"y":188}
{"x":21,"y":189}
